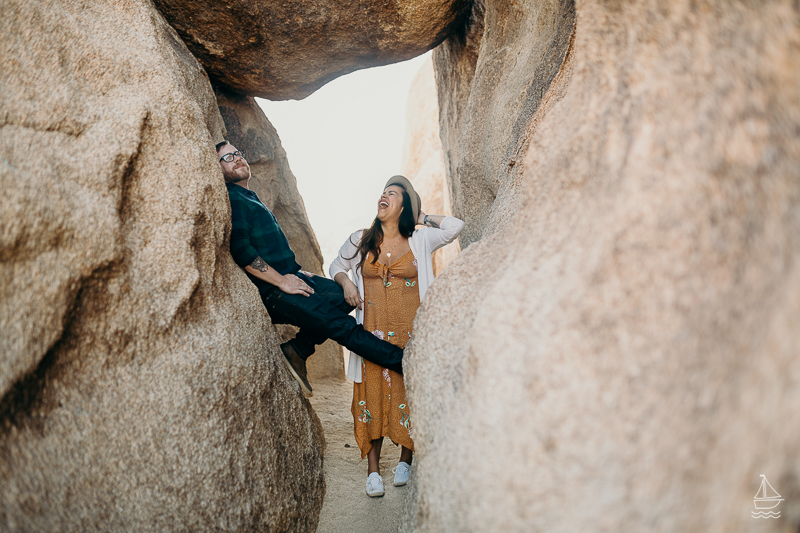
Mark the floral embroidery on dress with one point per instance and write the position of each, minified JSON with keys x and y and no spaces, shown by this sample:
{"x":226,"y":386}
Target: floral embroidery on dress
{"x":416,"y":265}
{"x":410,"y":283}
{"x":405,"y":419}
{"x":365,"y":416}
{"x":378,"y":333}
{"x":386,"y":376}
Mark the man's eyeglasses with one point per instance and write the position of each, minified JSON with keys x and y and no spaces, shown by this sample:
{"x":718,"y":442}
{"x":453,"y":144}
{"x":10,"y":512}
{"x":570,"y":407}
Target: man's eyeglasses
{"x":231,"y":156}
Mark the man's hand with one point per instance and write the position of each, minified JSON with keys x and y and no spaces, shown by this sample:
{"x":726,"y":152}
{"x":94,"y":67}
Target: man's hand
{"x":308,"y":274}
{"x":351,"y":295}
{"x":291,"y":284}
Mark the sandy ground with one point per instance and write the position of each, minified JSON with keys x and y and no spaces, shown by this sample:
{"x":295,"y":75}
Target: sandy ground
{"x":347,"y":508}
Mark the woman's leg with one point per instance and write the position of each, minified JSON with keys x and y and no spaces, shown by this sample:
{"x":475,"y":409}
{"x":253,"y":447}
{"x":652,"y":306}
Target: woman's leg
{"x":401,"y":471}
{"x":406,"y":455}
{"x":374,"y":457}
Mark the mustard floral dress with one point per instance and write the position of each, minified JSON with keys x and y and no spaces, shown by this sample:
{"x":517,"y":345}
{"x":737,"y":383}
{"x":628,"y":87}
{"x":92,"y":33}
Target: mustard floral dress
{"x":391,"y":299}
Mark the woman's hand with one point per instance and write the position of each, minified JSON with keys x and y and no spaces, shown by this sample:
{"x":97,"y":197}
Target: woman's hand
{"x":351,"y":295}
{"x":421,"y":218}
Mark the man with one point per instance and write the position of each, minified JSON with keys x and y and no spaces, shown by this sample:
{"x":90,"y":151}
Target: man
{"x":313,"y":303}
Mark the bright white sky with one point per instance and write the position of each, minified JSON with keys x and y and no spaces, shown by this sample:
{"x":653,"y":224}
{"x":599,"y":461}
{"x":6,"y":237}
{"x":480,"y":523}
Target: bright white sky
{"x":343,"y":142}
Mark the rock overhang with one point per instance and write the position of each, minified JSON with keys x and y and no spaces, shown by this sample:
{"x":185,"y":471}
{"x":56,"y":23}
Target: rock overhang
{"x":288,"y":50}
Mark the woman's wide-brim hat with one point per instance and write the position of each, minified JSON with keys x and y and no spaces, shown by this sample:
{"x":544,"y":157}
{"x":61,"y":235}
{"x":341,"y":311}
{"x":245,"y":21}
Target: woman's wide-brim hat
{"x":416,"y":201}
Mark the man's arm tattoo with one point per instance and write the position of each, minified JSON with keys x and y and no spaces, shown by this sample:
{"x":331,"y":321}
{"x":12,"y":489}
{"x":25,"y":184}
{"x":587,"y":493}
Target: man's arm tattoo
{"x":259,"y":265}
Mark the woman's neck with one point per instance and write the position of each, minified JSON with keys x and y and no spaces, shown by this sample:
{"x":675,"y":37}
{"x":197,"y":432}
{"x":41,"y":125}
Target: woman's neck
{"x":390,"y":230}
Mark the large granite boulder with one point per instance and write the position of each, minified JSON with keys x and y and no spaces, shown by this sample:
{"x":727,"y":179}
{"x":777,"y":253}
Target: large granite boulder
{"x":283,"y":50}
{"x":618,"y":350}
{"x":423,"y":160}
{"x":250,"y":130}
{"x":141,"y":387}
{"x":490,"y":82}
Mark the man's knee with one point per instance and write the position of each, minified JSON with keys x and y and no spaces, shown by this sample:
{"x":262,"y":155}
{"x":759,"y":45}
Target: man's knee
{"x":312,"y":311}
{"x":332,"y":293}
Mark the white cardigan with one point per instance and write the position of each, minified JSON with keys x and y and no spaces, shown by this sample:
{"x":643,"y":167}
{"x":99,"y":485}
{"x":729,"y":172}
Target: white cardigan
{"x":423,"y":242}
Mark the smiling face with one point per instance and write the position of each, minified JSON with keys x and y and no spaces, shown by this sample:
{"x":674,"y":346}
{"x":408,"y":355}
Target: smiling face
{"x":235,"y":171}
{"x":390,"y":204}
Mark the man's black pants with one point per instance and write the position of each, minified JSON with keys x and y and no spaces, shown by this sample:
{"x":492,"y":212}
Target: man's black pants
{"x":325,"y":315}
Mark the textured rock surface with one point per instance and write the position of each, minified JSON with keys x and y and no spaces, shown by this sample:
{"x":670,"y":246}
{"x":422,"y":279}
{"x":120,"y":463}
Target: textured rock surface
{"x":423,"y":161}
{"x":490,"y":83}
{"x":282,"y":50}
{"x":250,"y":130}
{"x":627,"y":356}
{"x":141,"y":388}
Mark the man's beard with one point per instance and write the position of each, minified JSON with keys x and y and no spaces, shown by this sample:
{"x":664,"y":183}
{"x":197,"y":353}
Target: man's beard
{"x":233,"y":176}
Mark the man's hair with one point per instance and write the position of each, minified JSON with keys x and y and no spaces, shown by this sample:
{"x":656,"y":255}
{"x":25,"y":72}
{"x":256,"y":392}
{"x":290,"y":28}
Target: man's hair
{"x":220,"y":145}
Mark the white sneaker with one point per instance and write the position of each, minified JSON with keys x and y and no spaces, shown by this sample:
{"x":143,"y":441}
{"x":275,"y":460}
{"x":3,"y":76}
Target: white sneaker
{"x":374,"y":485}
{"x":401,"y":472}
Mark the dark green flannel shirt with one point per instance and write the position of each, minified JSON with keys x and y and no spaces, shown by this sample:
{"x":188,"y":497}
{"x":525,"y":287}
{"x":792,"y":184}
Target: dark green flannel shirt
{"x":255,"y":233}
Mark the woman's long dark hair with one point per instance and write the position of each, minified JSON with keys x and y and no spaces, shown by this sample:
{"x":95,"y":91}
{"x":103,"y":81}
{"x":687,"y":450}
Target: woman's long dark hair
{"x":372,"y":238}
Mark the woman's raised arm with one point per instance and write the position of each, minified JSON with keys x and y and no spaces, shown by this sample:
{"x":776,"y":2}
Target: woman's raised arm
{"x":444,"y":230}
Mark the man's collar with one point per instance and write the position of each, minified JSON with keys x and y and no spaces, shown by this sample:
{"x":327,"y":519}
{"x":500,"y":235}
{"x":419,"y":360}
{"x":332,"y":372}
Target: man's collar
{"x":229,"y":185}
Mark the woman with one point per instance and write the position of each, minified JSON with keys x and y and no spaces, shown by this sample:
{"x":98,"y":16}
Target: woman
{"x":392,"y":268}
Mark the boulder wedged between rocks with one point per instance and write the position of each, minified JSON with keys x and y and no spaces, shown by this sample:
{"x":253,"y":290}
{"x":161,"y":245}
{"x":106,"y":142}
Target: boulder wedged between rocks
{"x":287,"y":50}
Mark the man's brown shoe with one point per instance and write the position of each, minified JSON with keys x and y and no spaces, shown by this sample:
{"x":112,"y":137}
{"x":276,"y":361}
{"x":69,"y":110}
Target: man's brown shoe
{"x":296,"y":366}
